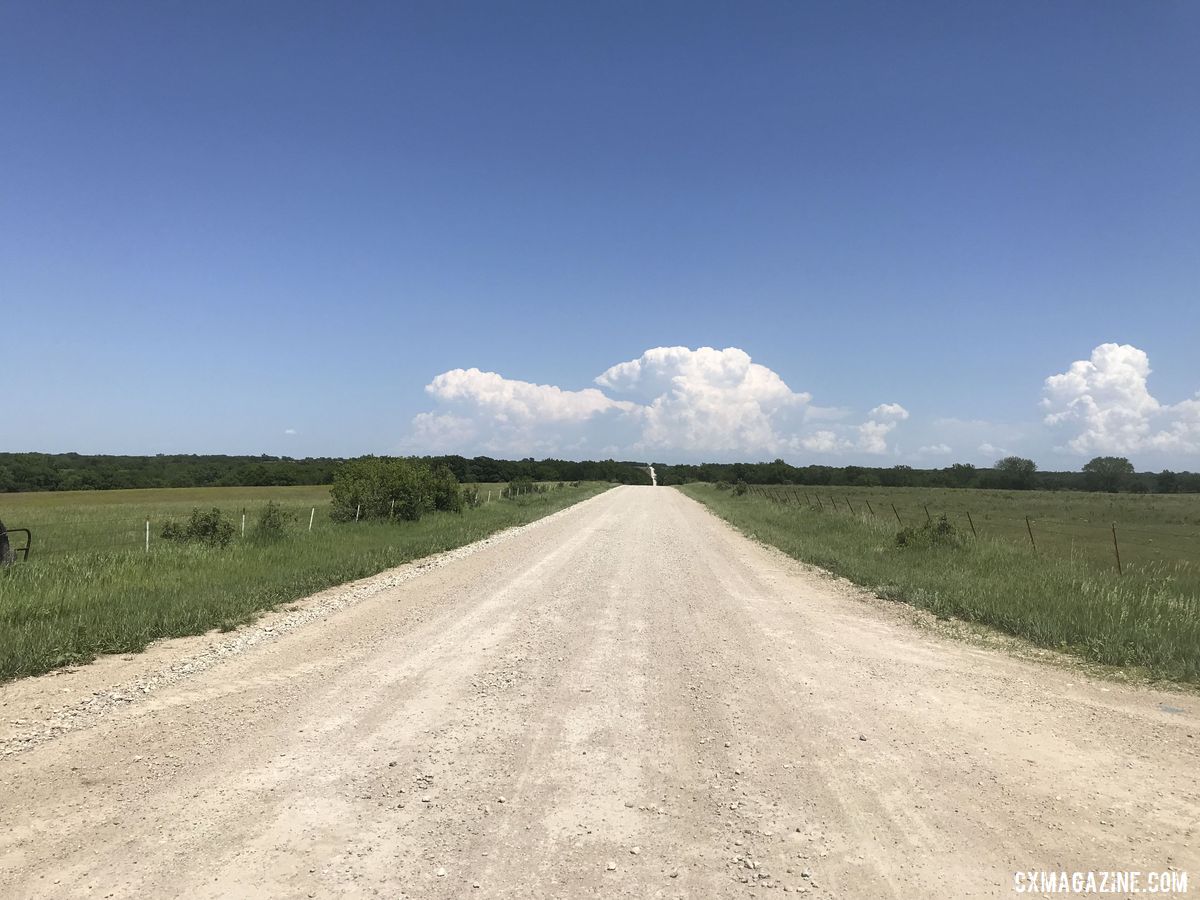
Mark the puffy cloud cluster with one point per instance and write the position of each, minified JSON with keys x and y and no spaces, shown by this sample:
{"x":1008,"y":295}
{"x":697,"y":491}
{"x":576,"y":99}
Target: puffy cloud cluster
{"x":685,"y":403}
{"x":520,"y":401}
{"x":869,"y":437}
{"x":717,"y":400}
{"x":1107,"y":402}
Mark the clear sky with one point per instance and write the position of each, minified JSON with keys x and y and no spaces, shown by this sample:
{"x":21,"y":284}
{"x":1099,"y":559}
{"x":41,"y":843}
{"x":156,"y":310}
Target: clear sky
{"x":341,"y":228}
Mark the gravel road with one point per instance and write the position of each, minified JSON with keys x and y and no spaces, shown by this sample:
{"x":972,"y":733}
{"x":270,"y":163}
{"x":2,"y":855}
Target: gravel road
{"x":627,"y":699}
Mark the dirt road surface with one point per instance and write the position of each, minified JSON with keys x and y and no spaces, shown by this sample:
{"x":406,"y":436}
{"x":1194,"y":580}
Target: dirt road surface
{"x":628,"y":699}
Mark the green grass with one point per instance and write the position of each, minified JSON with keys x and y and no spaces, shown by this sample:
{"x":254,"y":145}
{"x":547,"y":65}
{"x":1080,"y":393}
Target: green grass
{"x":1059,"y":597}
{"x":69,"y":522}
{"x":90,"y":588}
{"x":1156,"y":532}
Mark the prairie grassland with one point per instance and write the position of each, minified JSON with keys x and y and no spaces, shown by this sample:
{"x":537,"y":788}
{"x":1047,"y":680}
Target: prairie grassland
{"x":1148,"y":618}
{"x":79,"y":521}
{"x":82,"y":594}
{"x":1155,"y":532}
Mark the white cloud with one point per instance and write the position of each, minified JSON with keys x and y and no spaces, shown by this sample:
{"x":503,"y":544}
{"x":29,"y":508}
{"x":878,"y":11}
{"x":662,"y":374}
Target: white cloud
{"x":992,"y":451}
{"x":1107,"y":402}
{"x":514,"y":401}
{"x":685,"y":403}
{"x":872,"y":436}
{"x":821,"y":442}
{"x":717,"y":400}
{"x":289,"y":431}
{"x":889,"y":411}
{"x":443,"y":433}
{"x":935,"y":450}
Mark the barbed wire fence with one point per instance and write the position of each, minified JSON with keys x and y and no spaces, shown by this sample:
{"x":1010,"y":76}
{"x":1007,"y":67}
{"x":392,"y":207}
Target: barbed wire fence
{"x":1121,"y":544}
{"x":129,"y":530}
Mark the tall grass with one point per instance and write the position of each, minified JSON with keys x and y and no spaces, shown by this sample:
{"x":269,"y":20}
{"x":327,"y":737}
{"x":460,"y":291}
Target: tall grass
{"x":1149,"y":618}
{"x":68,"y":607}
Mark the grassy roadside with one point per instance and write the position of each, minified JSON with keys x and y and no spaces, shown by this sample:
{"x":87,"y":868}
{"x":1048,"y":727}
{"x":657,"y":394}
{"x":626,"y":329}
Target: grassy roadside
{"x":1144,"y":619}
{"x":69,"y":608}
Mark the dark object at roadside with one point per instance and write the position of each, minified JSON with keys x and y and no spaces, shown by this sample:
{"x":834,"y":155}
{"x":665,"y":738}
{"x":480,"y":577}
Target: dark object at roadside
{"x":8,"y":553}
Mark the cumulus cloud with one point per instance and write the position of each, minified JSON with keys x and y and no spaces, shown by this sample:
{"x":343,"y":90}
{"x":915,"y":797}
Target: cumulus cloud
{"x":892,"y":411}
{"x":715,"y":399}
{"x":675,"y":400}
{"x":520,"y":401}
{"x":935,"y":450}
{"x":1106,"y":402}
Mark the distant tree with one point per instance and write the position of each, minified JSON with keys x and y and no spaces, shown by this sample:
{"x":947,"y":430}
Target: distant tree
{"x":1107,"y":473}
{"x":1016,"y":472}
{"x":1166,"y":482}
{"x":961,"y":474}
{"x":897,"y":476}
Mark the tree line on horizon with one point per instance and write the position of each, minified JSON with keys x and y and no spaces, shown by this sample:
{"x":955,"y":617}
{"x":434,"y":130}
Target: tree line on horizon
{"x":1104,"y":473}
{"x":21,"y":472}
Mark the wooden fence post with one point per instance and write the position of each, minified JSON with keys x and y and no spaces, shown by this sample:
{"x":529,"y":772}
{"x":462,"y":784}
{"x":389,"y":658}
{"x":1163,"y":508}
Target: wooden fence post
{"x":897,"y":512}
{"x":819,"y":503}
{"x":928,"y":518}
{"x":848,"y":506}
{"x":1116,"y":549}
{"x":972,"y":524}
{"x":1029,"y":528}
{"x":312,"y":515}
{"x":867,"y":500}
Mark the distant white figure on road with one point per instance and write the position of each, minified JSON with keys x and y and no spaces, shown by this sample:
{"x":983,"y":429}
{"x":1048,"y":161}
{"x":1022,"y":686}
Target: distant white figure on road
{"x":653,"y":477}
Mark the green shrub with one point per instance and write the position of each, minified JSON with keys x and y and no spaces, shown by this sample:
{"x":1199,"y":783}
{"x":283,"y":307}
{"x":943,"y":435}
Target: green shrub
{"x":471,"y":497}
{"x":740,"y":488}
{"x":938,"y":533}
{"x":522,"y":484}
{"x":273,"y":522}
{"x":210,"y":528}
{"x":378,"y":487}
{"x":446,"y":492}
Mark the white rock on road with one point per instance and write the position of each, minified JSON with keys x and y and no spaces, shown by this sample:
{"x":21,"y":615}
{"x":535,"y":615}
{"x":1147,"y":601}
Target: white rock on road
{"x":281,"y":769}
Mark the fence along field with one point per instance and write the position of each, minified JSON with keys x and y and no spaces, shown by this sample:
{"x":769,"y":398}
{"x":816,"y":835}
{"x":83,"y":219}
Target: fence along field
{"x":90,"y":587}
{"x":1154,"y":532}
{"x":1066,"y":594}
{"x":65,"y":522}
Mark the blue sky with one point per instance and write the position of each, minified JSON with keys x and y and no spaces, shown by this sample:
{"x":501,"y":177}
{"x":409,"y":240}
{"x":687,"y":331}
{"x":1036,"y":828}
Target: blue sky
{"x":268,"y":227}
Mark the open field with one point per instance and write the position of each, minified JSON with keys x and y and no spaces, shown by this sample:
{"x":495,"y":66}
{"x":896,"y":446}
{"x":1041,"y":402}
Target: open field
{"x":1063,"y":596}
{"x":90,"y":587}
{"x":628,"y":699}
{"x":93,"y":521}
{"x":1156,"y":532}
